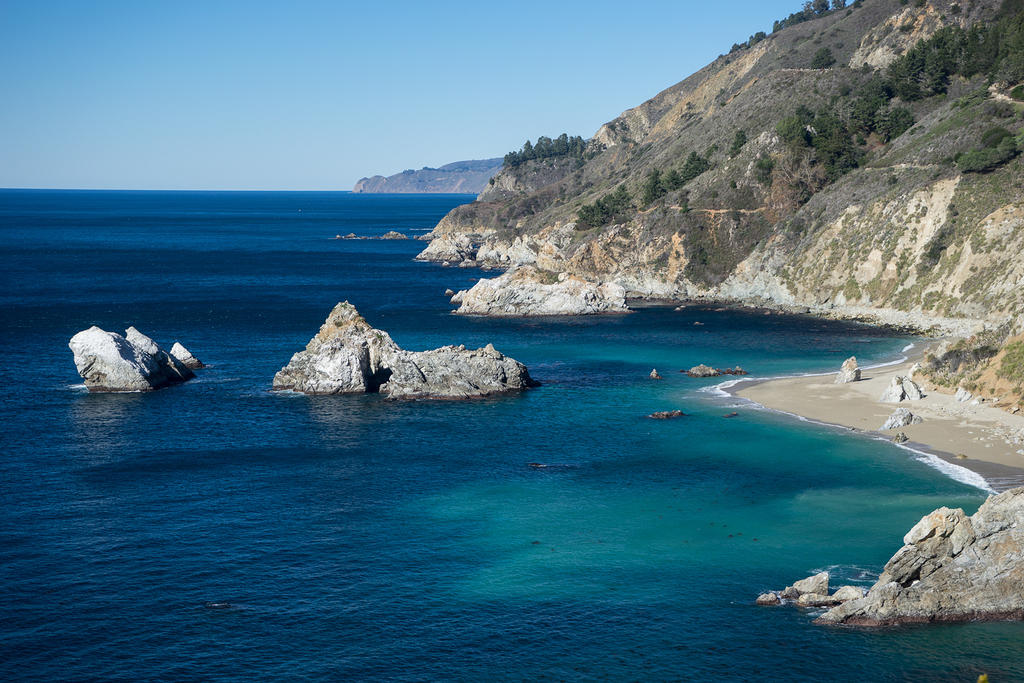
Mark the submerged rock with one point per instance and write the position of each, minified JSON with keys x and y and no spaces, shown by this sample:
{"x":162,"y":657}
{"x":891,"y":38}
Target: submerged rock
{"x":349,"y":356}
{"x":109,"y":362}
{"x":951,"y":568}
{"x":527,"y":291}
{"x":849,"y":372}
{"x":186,"y":357}
{"x":901,"y":418}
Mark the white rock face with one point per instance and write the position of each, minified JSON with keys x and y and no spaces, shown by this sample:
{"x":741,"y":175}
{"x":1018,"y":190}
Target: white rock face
{"x":901,"y":388}
{"x":186,"y":357}
{"x":348,"y":356}
{"x":109,"y":362}
{"x":901,"y":418}
{"x":962,"y":395}
{"x":526,"y":291}
{"x":849,"y":372}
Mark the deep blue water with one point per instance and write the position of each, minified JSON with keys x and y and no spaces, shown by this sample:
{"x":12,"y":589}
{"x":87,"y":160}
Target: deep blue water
{"x":360,"y":539}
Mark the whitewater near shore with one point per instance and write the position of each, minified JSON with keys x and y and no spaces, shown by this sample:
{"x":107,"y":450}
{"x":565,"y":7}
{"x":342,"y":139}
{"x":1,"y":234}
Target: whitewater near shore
{"x":981,"y":438}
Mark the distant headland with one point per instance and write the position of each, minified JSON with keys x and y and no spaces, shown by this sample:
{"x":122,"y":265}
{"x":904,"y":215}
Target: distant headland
{"x":461,"y":176}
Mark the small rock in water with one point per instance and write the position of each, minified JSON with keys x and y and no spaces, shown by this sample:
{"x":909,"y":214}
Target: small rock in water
{"x":449,"y":292}
{"x":536,"y":465}
{"x":218,"y":605}
{"x":654,"y":374}
{"x":768,"y":599}
{"x":732,"y":415}
{"x":666,"y":414}
{"x":186,"y":357}
{"x":393,"y":235}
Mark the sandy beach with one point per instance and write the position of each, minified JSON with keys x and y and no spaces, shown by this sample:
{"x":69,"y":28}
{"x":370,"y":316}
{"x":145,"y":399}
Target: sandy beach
{"x":991,"y":439}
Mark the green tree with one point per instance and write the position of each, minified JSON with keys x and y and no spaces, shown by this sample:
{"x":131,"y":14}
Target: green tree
{"x":738,"y":141}
{"x":823,"y":59}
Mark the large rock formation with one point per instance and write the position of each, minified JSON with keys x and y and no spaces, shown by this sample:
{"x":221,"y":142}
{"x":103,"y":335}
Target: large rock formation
{"x":525,"y":291}
{"x":109,"y":362}
{"x":951,"y":568}
{"x":849,"y":372}
{"x":349,"y":356}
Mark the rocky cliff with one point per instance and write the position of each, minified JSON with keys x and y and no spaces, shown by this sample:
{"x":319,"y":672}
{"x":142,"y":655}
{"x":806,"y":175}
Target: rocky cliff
{"x":825,"y":166}
{"x":951,"y":568}
{"x":468,"y":177}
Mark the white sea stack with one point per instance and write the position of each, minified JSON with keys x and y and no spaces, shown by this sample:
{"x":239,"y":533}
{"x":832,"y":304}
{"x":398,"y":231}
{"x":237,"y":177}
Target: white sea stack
{"x":109,"y":362}
{"x":527,"y":291}
{"x":349,"y":356}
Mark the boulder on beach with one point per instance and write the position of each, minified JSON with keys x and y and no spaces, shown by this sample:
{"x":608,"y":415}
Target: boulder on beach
{"x":186,"y":357}
{"x":962,"y":395}
{"x":109,"y":362}
{"x":901,"y":389}
{"x":349,"y":356}
{"x":951,"y":568}
{"x":849,"y":372}
{"x":527,"y":291}
{"x":901,"y":418}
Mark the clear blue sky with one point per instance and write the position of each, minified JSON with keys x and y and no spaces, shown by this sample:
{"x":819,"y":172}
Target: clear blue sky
{"x":315,"y":94}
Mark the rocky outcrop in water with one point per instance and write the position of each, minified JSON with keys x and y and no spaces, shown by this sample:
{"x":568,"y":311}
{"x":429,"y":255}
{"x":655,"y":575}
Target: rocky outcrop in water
{"x":951,"y":568}
{"x":666,"y":414}
{"x":349,"y":356}
{"x":708,"y":371}
{"x":849,"y":372}
{"x":109,"y":362}
{"x":525,"y":291}
{"x":186,"y":357}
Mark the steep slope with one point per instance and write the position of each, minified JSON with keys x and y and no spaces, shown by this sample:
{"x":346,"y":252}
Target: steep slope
{"x":469,"y":177}
{"x":846,"y":164}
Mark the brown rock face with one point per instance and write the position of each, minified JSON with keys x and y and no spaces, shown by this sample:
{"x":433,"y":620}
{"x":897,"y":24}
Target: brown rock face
{"x":951,"y":568}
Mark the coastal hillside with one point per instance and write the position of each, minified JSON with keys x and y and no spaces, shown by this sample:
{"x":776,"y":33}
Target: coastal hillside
{"x":860,"y":160}
{"x":461,"y":176}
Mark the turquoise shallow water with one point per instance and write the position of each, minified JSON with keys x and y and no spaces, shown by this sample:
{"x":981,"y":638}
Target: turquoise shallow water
{"x":359,"y":539}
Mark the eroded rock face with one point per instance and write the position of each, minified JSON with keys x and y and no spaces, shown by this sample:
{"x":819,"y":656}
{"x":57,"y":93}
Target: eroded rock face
{"x":951,"y":568}
{"x":109,"y":362}
{"x":349,"y":356}
{"x":849,"y":372}
{"x":527,"y":291}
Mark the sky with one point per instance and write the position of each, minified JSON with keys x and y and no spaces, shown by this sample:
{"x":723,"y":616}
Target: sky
{"x":313,"y":95}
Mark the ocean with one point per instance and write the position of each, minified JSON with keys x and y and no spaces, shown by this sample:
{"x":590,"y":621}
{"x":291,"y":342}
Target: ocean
{"x":219,"y":531}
